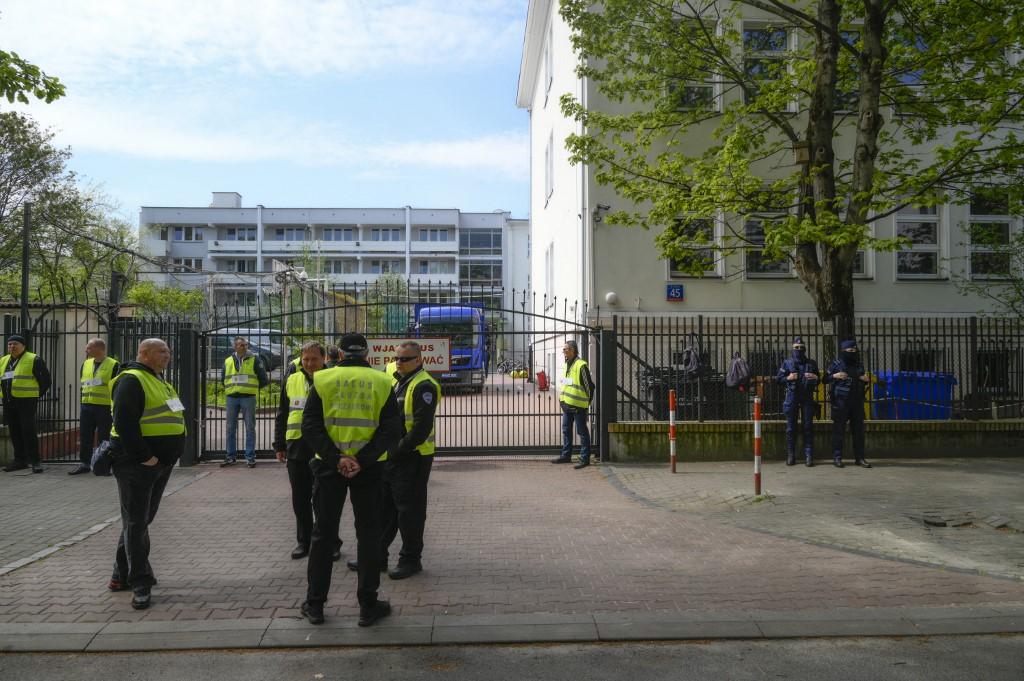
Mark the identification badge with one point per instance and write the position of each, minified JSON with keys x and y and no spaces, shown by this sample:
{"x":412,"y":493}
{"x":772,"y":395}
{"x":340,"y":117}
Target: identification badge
{"x":240,"y":379}
{"x":175,"y":405}
{"x":299,"y":403}
{"x":8,"y":375}
{"x":566,"y":381}
{"x":92,"y":382}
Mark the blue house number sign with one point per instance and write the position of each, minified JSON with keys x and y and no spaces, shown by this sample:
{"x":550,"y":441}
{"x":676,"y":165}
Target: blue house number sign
{"x":674,"y":293}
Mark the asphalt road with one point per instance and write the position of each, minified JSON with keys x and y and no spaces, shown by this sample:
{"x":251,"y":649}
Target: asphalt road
{"x":991,"y":658}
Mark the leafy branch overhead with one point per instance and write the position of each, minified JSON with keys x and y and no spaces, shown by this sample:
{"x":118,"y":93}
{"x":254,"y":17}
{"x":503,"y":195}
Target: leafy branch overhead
{"x":20,"y":79}
{"x":703,"y":107}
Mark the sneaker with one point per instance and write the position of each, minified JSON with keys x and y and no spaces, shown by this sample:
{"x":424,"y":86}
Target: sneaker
{"x":79,"y":470}
{"x":251,"y":464}
{"x":37,"y":468}
{"x":314,"y":612}
{"x":141,"y":598}
{"x":227,"y":462}
{"x":117,"y":585}
{"x":378,"y":610}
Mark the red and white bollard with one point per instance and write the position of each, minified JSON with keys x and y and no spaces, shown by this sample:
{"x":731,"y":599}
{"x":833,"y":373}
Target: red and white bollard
{"x":672,"y":428}
{"x":757,"y":445}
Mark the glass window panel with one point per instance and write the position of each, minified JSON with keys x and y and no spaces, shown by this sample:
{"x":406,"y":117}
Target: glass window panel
{"x":984,"y":204}
{"x":917,"y":263}
{"x":764,"y":39}
{"x":919,"y":233}
{"x":990,"y":264}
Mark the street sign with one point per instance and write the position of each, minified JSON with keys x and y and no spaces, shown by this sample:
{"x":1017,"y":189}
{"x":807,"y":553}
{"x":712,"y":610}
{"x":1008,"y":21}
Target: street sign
{"x":436,"y":352}
{"x":674,"y":293}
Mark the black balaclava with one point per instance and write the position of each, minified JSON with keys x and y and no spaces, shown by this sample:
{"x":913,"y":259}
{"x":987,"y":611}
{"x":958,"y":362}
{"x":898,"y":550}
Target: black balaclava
{"x":851,"y":358}
{"x":799,"y":349}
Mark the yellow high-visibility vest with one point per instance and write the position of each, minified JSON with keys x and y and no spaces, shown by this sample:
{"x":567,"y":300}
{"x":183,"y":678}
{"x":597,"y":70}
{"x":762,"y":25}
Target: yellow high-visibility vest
{"x":96,"y":380}
{"x":237,"y":386}
{"x":161,"y":415}
{"x":296,"y":389}
{"x":352,"y":398}
{"x":428,"y":446}
{"x":23,"y":383}
{"x":571,"y":391}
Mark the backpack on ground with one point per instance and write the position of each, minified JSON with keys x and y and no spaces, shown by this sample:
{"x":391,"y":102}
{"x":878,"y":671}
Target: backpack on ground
{"x":738,"y":376}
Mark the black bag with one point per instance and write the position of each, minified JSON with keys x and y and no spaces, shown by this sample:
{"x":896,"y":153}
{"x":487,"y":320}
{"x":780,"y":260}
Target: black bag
{"x":689,"y":359}
{"x":738,"y":376}
{"x":103,"y":458}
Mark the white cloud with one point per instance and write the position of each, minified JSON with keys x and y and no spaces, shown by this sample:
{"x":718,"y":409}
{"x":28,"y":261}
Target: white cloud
{"x":113,"y":41}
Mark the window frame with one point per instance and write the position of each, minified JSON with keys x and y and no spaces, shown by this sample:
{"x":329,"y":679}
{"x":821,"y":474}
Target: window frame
{"x":767,"y":55}
{"x":1004,"y":218}
{"x":718,"y":263}
{"x":938,"y":218}
{"x":748,"y":273}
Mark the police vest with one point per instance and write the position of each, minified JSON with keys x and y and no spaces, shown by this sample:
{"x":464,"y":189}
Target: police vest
{"x":96,"y":381}
{"x":391,"y":368}
{"x":428,"y":446}
{"x":242,"y":381}
{"x":352,"y":398}
{"x":23,"y":383}
{"x":572,"y":391}
{"x":163,"y":413}
{"x":296,"y":389}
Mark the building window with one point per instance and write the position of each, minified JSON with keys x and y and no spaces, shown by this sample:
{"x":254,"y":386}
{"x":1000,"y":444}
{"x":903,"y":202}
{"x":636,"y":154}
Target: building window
{"x":436,"y":267}
{"x":847,"y":94}
{"x":340,"y":234}
{"x":549,"y":273}
{"x":188,"y":264}
{"x":757,"y":263}
{"x":290,"y":234}
{"x":240,"y":234}
{"x":689,"y":93}
{"x":385,"y":234}
{"x":241,"y":265}
{"x":990,"y":229}
{"x":432,"y":234}
{"x":480,"y":273}
{"x":549,"y":167}
{"x":920,"y":259}
{"x":240,"y":298}
{"x":348,"y":266}
{"x":387,"y":267}
{"x":764,"y":49}
{"x":188,"y":233}
{"x":163,"y":234}
{"x":549,"y":64}
{"x":480,"y":242}
{"x":698,"y":237}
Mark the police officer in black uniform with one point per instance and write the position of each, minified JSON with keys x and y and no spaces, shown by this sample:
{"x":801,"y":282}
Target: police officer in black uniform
{"x":800,"y":376}
{"x":847,"y":378}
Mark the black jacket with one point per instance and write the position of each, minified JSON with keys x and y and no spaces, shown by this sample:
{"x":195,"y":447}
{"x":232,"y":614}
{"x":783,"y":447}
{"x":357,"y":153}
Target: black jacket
{"x":314,"y":430}
{"x":424,"y":404}
{"x":39,"y":371}
{"x":845,"y":390}
{"x":296,"y":449}
{"x":129,"y":403}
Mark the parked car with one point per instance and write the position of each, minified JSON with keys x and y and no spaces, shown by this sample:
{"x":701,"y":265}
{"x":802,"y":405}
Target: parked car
{"x":261,"y":343}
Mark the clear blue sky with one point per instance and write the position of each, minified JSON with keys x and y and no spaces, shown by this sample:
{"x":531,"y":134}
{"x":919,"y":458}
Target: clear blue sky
{"x":288,"y":102}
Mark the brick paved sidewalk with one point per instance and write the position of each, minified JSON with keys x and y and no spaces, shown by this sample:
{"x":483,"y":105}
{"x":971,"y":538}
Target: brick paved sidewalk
{"x":966,"y":514}
{"x":503,"y":538}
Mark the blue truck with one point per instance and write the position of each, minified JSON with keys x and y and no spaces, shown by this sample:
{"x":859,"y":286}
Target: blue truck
{"x":465,"y":326}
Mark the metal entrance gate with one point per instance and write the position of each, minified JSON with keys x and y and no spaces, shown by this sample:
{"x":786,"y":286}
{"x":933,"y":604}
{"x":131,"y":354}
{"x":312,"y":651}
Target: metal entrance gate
{"x":508,"y":407}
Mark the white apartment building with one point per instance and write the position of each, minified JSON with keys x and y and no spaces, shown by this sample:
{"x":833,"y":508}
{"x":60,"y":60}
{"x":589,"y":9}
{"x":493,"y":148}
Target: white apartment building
{"x":231,"y":249}
{"x":580,"y":257}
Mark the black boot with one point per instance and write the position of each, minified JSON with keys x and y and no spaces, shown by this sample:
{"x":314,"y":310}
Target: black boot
{"x":791,"y":459}
{"x":862,"y":463}
{"x":838,"y":463}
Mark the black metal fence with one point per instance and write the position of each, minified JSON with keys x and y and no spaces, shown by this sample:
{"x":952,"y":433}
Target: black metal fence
{"x":920,"y":368}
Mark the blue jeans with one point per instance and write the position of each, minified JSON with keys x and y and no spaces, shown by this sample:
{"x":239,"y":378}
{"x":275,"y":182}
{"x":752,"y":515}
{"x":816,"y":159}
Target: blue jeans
{"x":572,"y":415}
{"x":246,"y":404}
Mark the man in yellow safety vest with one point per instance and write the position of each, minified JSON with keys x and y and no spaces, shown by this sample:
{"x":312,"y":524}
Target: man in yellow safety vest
{"x":244,"y":375}
{"x":575,"y":392}
{"x":24,"y":378}
{"x":351,"y":419}
{"x":94,"y":419}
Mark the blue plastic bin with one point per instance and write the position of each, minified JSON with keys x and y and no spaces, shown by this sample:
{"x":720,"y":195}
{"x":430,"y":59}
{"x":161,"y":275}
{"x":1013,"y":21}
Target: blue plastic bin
{"x":914,"y":395}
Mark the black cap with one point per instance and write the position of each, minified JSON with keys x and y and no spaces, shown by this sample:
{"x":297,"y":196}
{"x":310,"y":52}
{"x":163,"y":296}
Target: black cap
{"x":798,"y":342}
{"x":16,"y":337}
{"x":353,"y":344}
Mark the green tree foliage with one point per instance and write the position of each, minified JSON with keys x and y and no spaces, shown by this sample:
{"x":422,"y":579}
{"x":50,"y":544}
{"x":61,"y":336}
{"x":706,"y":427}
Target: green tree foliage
{"x":162,"y":301}
{"x":1002,"y":257}
{"x":20,"y":79}
{"x":700,"y":115}
{"x":387,"y":310}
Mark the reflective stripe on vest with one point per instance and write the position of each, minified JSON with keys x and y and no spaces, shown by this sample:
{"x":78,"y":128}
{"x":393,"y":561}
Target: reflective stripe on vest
{"x":296,"y":389}
{"x":251,"y":385}
{"x":429,"y":445}
{"x":97,"y":394}
{"x":157,"y":417}
{"x":23,"y":383}
{"x":572,"y":392}
{"x":352,"y":398}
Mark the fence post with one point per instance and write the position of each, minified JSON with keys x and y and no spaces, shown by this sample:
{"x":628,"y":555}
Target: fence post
{"x":188,"y":372}
{"x":672,"y":428}
{"x":606,"y":387}
{"x":757,"y":446}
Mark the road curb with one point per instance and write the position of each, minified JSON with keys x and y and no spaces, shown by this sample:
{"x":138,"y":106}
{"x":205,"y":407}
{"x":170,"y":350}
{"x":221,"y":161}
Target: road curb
{"x":288,"y":632}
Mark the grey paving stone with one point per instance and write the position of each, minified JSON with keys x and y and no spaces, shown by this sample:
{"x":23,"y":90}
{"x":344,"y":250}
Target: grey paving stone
{"x":178,"y":640}
{"x":324,"y":635}
{"x":972,"y":625}
{"x":390,"y":622}
{"x":667,"y":630}
{"x":514,"y":633}
{"x":185,"y":626}
{"x":21,"y":643}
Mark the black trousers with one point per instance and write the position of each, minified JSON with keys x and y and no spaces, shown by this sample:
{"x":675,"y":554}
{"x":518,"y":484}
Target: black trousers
{"x":854,"y":415}
{"x":140,"y":489}
{"x":300,"y":477}
{"x":405,"y":507}
{"x":94,"y":425}
{"x":328,"y":494}
{"x":20,"y":417}
{"x":802,"y":411}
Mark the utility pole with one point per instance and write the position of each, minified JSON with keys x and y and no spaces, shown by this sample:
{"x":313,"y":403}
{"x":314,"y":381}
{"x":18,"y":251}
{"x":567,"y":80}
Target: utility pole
{"x":24,"y":267}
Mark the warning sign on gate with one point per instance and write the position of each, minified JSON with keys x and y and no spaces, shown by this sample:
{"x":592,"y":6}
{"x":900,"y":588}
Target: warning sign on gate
{"x":436,"y":352}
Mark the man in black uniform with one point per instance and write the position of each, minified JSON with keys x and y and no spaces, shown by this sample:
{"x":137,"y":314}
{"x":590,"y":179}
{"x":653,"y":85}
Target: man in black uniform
{"x":407,"y":470}
{"x":799,"y":374}
{"x":350,"y":421}
{"x":24,"y":378}
{"x":291,"y":447}
{"x":847,"y":378}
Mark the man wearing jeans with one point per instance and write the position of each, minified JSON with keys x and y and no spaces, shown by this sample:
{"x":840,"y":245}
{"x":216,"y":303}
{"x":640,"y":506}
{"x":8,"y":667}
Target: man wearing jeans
{"x":244,"y":375}
{"x":575,"y":392}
